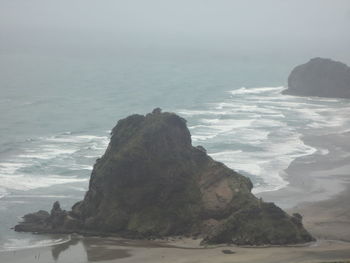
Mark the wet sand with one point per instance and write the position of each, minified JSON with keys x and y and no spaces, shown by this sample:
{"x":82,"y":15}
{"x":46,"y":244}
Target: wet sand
{"x":94,"y":249}
{"x":328,"y":219}
{"x":319,"y":189}
{"x":316,"y":177}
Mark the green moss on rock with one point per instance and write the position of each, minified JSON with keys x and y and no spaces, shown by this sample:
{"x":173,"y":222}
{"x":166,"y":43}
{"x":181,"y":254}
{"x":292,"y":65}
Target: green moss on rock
{"x":151,"y":182}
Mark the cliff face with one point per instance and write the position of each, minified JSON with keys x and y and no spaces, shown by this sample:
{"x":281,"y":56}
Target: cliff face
{"x":151,"y":182}
{"x":320,"y":77}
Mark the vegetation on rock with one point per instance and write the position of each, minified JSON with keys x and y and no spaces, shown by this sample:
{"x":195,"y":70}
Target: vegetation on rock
{"x":151,"y":182}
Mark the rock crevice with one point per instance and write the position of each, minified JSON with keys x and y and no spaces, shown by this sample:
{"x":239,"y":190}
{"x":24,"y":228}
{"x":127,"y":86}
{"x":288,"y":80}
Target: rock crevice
{"x":151,"y":183}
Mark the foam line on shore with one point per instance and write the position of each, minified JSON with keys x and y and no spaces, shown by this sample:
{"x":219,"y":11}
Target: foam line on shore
{"x":258,"y":131}
{"x":15,"y":244}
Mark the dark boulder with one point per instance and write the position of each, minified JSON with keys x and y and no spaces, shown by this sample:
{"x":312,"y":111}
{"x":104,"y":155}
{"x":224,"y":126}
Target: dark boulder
{"x":39,"y":217}
{"x":57,"y":216}
{"x":320,"y":77}
{"x":34,"y":222}
{"x":151,"y":182}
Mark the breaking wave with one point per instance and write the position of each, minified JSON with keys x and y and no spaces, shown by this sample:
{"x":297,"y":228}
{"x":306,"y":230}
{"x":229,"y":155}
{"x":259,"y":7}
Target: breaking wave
{"x":258,"y":131}
{"x":47,"y":161}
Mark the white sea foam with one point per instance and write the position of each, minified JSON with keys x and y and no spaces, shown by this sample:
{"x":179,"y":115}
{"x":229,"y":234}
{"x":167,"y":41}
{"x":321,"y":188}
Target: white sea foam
{"x":23,"y":243}
{"x":196,"y":127}
{"x":28,"y":182}
{"x":317,"y":99}
{"x":250,"y":136}
{"x":224,"y":125}
{"x":92,"y":137}
{"x":199,"y":138}
{"x":47,"y":152}
{"x":41,"y":162}
{"x":80,"y":167}
{"x":323,"y":151}
{"x":11,"y":167}
{"x":217,"y":127}
{"x":80,"y":189}
{"x":91,"y":156}
{"x":77,"y":139}
{"x":234,"y":160}
{"x":39,"y":196}
{"x":258,"y":131}
{"x":244,"y":90}
{"x":201,"y":112}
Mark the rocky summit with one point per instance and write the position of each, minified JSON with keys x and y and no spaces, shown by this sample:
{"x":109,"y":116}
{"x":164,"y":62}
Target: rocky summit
{"x":320,"y":77}
{"x":152,"y":183}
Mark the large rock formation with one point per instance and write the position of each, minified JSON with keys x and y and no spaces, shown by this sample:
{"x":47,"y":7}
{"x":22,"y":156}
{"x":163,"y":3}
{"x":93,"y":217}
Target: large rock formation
{"x":151,"y":182}
{"x":320,"y":77}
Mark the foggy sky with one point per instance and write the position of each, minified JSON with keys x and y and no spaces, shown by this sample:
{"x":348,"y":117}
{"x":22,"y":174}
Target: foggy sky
{"x":316,"y":26}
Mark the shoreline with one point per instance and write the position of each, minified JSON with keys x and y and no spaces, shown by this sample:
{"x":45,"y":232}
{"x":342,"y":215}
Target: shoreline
{"x":318,"y":176}
{"x":319,"y":186}
{"x":96,"y":249}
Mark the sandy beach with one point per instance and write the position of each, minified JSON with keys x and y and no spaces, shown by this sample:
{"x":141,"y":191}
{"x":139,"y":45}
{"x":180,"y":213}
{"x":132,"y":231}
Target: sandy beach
{"x":320,"y":176}
{"x":319,"y":189}
{"x":95,"y":249}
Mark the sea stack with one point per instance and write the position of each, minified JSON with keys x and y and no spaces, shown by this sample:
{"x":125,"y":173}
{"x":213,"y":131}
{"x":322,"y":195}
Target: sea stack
{"x":320,"y":77}
{"x":152,"y":183}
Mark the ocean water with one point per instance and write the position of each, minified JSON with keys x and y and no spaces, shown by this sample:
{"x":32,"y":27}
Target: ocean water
{"x":57,"y":112}
{"x":258,"y":131}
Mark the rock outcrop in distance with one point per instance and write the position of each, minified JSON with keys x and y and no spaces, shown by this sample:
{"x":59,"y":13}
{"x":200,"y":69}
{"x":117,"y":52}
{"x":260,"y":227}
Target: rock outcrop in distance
{"x":152,"y":183}
{"x":320,"y":77}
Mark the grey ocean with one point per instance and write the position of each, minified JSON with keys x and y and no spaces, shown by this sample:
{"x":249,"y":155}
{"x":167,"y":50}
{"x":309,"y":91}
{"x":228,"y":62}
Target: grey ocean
{"x":57,"y":111}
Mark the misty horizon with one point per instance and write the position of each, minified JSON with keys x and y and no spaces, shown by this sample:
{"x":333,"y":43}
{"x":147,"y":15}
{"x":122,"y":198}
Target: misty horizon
{"x":303,"y":28}
{"x":132,"y":129}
